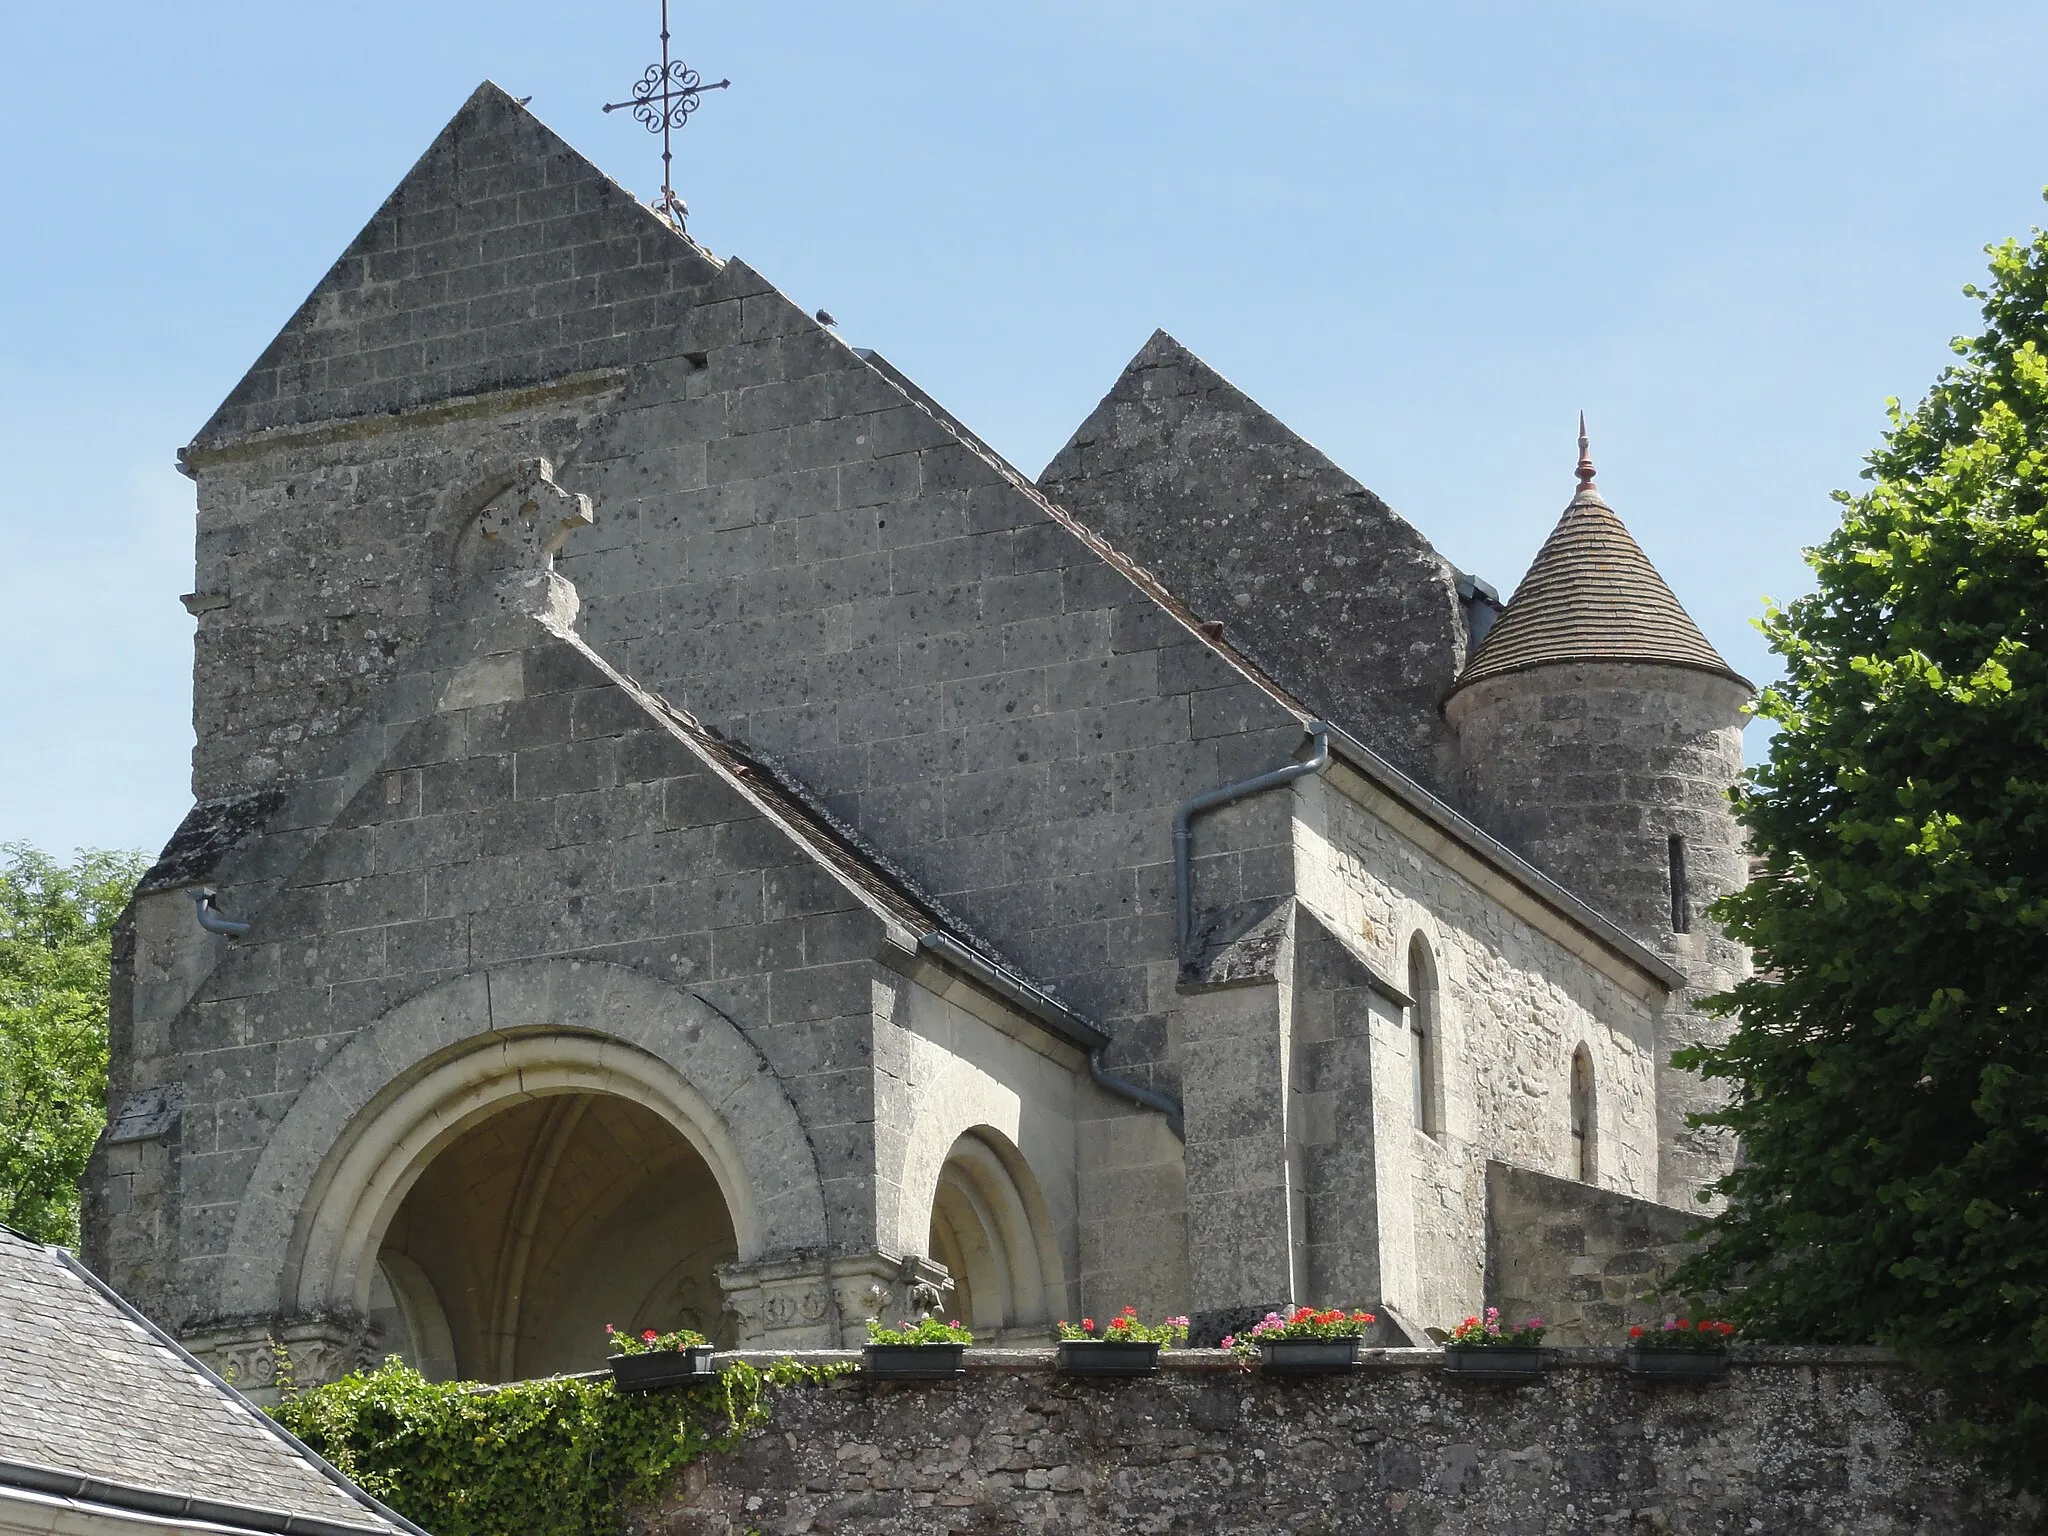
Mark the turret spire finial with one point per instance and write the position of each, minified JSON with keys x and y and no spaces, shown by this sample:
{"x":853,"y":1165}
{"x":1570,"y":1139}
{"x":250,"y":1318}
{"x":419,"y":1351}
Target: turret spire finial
{"x":1585,"y":458}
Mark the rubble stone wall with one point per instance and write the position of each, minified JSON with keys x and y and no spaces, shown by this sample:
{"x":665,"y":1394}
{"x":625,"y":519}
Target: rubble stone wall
{"x":1808,"y":1441}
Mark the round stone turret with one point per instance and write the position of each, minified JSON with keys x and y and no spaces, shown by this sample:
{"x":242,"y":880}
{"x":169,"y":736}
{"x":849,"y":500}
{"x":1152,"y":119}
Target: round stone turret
{"x":1599,"y":733}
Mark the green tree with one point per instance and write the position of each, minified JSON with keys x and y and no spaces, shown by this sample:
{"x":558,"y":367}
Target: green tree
{"x":1889,"y":1069}
{"x":56,"y":927}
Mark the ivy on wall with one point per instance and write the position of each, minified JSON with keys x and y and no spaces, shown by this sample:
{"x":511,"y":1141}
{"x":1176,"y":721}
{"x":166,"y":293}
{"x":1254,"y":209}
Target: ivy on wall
{"x":563,"y":1456}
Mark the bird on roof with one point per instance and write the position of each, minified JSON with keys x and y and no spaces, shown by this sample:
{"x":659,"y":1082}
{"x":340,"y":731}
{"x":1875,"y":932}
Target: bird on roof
{"x":825,"y":317}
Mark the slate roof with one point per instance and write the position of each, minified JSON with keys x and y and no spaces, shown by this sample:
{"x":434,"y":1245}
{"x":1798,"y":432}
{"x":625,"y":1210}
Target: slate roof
{"x":97,"y":1407}
{"x":1591,"y":594}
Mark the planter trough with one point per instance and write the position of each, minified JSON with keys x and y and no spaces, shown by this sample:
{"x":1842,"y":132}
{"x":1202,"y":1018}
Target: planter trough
{"x":1676,"y":1364}
{"x":1309,"y":1357}
{"x":913,"y":1362}
{"x":1107,"y":1357}
{"x":1494,"y":1362}
{"x":659,"y":1368}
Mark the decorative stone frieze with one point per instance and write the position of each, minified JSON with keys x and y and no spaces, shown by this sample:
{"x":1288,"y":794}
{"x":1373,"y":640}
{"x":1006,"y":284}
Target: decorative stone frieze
{"x":809,"y":1301}
{"x":315,"y":1350}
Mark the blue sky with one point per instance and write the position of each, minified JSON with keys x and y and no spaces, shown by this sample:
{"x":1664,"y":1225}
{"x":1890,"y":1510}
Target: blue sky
{"x":1425,"y":235}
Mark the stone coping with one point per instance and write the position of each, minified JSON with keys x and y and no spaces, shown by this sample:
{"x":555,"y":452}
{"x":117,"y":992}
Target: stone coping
{"x":1195,"y":1362}
{"x":998,"y":1361}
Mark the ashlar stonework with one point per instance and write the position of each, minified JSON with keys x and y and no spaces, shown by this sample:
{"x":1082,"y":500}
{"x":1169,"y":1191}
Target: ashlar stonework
{"x":705,"y":830}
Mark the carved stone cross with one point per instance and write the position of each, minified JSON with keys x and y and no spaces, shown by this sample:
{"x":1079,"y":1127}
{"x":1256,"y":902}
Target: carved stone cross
{"x":527,"y":522}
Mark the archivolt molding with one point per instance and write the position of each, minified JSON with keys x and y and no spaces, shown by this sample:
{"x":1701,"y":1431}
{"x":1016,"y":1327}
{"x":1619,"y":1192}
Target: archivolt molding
{"x":987,"y":1196}
{"x":967,"y":1133}
{"x":371,"y":1120}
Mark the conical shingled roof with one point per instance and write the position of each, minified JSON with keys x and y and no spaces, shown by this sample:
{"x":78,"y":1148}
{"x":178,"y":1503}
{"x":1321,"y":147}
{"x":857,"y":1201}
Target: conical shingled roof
{"x":1591,"y":594}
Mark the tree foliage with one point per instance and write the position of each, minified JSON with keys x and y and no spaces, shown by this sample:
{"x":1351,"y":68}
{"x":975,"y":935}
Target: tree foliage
{"x":56,"y":926}
{"x":1889,"y":1069}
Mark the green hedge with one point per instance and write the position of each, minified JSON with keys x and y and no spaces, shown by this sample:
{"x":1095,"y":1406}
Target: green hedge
{"x":558,"y":1457}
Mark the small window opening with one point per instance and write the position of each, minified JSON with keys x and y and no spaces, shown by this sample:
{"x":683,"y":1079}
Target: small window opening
{"x":1681,"y":903}
{"x":1583,"y":1138}
{"x":1422,"y":1035}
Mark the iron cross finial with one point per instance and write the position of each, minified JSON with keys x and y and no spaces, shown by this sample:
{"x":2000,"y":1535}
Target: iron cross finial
{"x":662,"y":102}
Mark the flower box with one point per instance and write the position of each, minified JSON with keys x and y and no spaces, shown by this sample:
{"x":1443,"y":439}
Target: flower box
{"x":1494,"y":1362}
{"x":1309,"y":1357}
{"x":914,"y":1362}
{"x":1108,"y":1357}
{"x":1676,"y":1364}
{"x":653,"y":1369}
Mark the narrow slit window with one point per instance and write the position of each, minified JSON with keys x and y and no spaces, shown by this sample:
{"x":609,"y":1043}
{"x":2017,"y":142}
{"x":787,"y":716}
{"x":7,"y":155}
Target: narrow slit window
{"x":1681,"y":899}
{"x":1584,"y":1140}
{"x":1422,"y":1035}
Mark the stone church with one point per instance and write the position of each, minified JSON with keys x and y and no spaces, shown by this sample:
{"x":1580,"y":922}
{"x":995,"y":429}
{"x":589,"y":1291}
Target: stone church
{"x":685,"y":833}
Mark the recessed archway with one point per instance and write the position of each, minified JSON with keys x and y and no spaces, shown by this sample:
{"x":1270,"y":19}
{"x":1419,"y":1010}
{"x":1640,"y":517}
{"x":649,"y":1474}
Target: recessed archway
{"x":469,"y":1102}
{"x":309,"y":1233}
{"x":535,"y":1227}
{"x":990,"y":1228}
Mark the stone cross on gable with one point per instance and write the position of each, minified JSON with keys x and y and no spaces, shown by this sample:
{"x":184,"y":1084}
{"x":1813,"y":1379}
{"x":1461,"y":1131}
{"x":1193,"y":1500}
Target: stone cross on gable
{"x":528,"y":521}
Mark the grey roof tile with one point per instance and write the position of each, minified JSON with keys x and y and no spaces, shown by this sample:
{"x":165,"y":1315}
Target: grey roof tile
{"x":86,"y":1389}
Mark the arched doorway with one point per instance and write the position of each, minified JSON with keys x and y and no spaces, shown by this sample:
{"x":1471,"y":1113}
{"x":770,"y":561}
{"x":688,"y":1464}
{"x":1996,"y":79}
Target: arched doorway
{"x":533,"y":1228}
{"x":991,"y":1230}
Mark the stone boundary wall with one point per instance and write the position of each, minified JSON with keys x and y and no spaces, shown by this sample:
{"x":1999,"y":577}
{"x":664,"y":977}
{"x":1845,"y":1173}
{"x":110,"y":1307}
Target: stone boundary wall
{"x":1812,"y":1442}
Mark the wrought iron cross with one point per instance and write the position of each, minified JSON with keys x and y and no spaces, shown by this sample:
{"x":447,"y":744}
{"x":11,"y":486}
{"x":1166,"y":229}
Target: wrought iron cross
{"x":662,"y":101}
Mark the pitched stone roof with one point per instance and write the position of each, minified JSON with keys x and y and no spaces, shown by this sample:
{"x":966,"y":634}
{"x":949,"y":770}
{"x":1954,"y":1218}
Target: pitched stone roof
{"x":1591,"y":594}
{"x":1330,"y":590}
{"x":102,"y":1410}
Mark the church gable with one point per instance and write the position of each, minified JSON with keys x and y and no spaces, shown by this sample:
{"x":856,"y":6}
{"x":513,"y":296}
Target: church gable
{"x":1331,"y":591}
{"x":503,"y":258}
{"x":818,"y":564}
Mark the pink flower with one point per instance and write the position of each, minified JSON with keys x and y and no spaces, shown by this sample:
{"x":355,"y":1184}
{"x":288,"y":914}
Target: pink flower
{"x":1229,"y":1341}
{"x":649,"y":1336}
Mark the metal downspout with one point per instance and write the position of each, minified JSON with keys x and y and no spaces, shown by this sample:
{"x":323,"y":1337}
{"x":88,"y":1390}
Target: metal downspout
{"x":1147,"y":1098}
{"x":1071,"y":1024}
{"x":1183,"y":894}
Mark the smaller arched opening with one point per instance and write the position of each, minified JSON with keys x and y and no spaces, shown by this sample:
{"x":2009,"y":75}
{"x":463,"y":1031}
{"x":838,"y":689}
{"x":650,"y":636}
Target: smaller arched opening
{"x":1585,"y":1136}
{"x":1424,"y":1038}
{"x":991,"y":1230}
